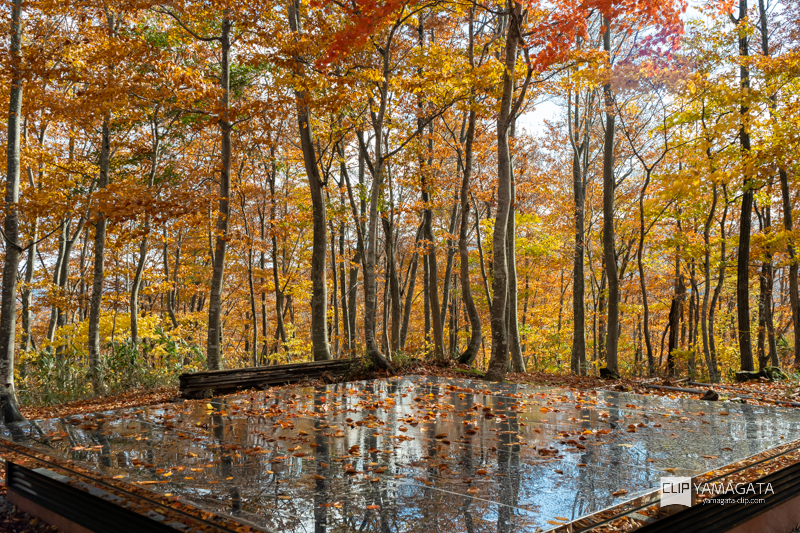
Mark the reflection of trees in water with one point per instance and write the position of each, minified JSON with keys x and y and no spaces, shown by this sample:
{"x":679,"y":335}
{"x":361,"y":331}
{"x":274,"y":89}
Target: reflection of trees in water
{"x":585,"y":493}
{"x":508,"y":464}
{"x":322,"y":458}
{"x":465,"y":405}
{"x":218,"y":422}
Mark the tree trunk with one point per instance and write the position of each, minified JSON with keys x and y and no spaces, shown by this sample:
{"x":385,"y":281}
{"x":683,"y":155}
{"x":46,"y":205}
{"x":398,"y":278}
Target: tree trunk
{"x":334,"y":297}
{"x":170,"y":299}
{"x":394,"y":283}
{"x":214,"y":357}
{"x":578,"y":354}
{"x":640,"y":263}
{"x":137,"y":278}
{"x":608,"y":217}
{"x":498,"y":364}
{"x":348,"y":335}
{"x":95,"y":367}
{"x":433,"y":275}
{"x":409,"y":290}
{"x":319,"y":268}
{"x":710,"y":358}
{"x":675,"y":315}
{"x":451,"y":254}
{"x":743,"y":255}
{"x":8,"y":305}
{"x":476,"y":335}
{"x":280,"y":329}
{"x":512,"y":321}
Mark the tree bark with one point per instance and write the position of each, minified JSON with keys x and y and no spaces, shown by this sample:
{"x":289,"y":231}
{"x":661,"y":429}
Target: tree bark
{"x":512,"y":321}
{"x":794,"y":293}
{"x":578,"y":354}
{"x":642,"y":284}
{"x":743,"y":255}
{"x":98,"y":276}
{"x":137,"y":277}
{"x":409,"y":290}
{"x":8,"y":305}
{"x":498,"y":363}
{"x":319,"y":268}
{"x":608,"y":217}
{"x":214,"y":356}
{"x":710,"y":357}
{"x":476,"y":335}
{"x":675,"y":316}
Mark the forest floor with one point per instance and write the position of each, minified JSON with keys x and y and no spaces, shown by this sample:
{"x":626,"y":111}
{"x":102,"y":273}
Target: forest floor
{"x":762,"y":392}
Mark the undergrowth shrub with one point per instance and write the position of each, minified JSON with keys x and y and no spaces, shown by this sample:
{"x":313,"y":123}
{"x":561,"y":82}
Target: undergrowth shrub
{"x":59,"y":372}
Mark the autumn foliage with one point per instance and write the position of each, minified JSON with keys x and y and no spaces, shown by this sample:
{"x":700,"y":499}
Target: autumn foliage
{"x":197,"y":180}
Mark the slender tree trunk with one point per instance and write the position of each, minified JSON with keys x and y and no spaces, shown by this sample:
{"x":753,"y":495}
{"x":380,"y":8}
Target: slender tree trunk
{"x":280,"y":329}
{"x":498,"y":364}
{"x":137,"y":277}
{"x":476,"y":335}
{"x":371,"y":247}
{"x":608,"y":217}
{"x":394,"y":283}
{"x":711,"y":363}
{"x":170,"y":300}
{"x":743,"y":255}
{"x":60,"y":258}
{"x":95,"y":367}
{"x":433,"y":276}
{"x":675,"y":314}
{"x":409,"y":291}
{"x":348,"y":334}
{"x":578,"y":354}
{"x":8,"y":305}
{"x":214,"y":356}
{"x":512,"y":321}
{"x":26,"y":341}
{"x":642,"y":283}
{"x":718,"y":289}
{"x":794,"y":292}
{"x":334,"y":297}
{"x":451,"y":254}
{"x":358,"y":219}
{"x":253,"y":313}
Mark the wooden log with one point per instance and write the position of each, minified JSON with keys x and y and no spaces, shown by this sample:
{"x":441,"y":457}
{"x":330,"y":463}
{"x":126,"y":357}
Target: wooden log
{"x":200,"y":384}
{"x":742,"y":396}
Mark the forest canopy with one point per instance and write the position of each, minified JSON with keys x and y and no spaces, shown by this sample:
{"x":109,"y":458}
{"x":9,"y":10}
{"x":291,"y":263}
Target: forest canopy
{"x":586,"y":186}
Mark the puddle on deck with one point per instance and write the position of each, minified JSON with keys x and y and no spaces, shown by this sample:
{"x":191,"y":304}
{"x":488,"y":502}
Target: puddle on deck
{"x":413,"y":454}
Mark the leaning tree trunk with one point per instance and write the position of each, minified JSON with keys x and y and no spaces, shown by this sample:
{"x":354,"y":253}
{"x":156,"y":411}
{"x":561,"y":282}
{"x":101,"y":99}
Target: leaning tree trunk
{"x":98,"y":275}
{"x":608,"y":218}
{"x":409,"y":290}
{"x":498,"y":364}
{"x":8,"y":305}
{"x":213,"y":348}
